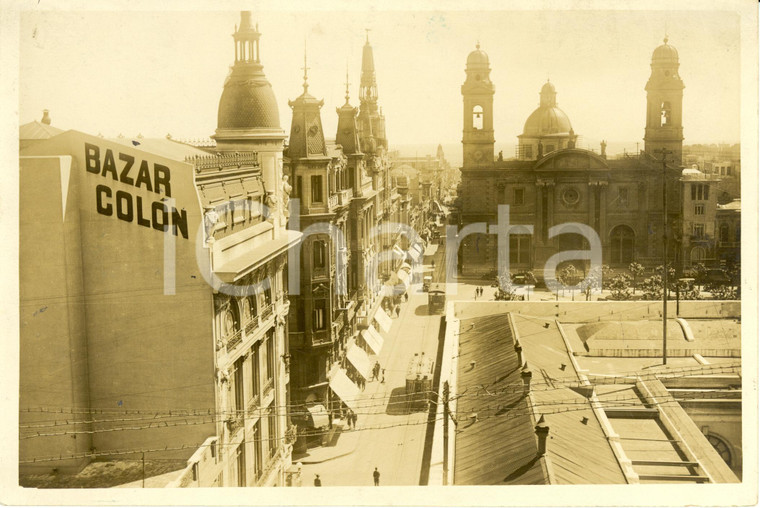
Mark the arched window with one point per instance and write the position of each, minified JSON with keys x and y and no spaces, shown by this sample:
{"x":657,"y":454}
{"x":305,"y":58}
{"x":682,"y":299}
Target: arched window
{"x":230,"y":320}
{"x":665,"y":114}
{"x":477,"y":117}
{"x":697,"y":255}
{"x":723,"y":449}
{"x":622,"y":243}
{"x":249,"y":311}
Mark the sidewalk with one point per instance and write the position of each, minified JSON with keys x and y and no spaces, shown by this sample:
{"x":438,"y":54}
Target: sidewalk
{"x":344,"y":443}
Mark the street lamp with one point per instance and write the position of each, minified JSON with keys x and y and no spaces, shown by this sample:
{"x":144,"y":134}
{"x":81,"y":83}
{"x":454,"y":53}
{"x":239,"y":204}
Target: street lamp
{"x":664,"y":152}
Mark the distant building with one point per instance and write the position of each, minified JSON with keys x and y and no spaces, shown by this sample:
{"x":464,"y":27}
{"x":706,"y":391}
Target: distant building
{"x":552,"y":182}
{"x":348,"y":208}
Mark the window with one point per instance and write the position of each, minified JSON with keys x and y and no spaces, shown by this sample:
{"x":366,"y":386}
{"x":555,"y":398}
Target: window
{"x":724,"y":232}
{"x":257,"y":445}
{"x":319,"y":252}
{"x":270,"y":352}
{"x":249,"y":312}
{"x":623,"y":196}
{"x":272,"y":430}
{"x":700,"y":192}
{"x":316,"y":189}
{"x":319,"y":315}
{"x":255,"y":372}
{"x":549,"y":148}
{"x":238,"y":380}
{"x":240,"y":463}
{"x":699,"y":230}
{"x":665,"y":114}
{"x":519,"y":249}
{"x":622,"y":242}
{"x":699,"y":209}
{"x":230,"y":321}
{"x":477,"y":117}
{"x":529,"y":152}
{"x":519,"y":196}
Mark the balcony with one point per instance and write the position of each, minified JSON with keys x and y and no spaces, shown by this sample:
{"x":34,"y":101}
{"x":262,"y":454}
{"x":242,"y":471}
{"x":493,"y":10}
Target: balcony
{"x":267,"y":313}
{"x":345,"y":196}
{"x":332,"y":201}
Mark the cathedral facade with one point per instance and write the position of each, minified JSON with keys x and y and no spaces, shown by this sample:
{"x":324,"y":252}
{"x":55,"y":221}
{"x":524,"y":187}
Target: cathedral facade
{"x":552,"y":182}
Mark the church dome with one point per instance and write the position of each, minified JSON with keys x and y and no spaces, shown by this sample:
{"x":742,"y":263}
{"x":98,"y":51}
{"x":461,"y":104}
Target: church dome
{"x":546,"y":120}
{"x":248,"y":104}
{"x":665,"y":52}
{"x":477,"y":57}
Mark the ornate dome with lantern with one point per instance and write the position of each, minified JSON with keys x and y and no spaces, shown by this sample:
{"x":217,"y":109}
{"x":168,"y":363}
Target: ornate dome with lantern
{"x":547,"y":129}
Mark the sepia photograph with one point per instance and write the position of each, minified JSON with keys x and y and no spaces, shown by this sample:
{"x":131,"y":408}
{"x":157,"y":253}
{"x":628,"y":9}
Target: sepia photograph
{"x":494,"y":254}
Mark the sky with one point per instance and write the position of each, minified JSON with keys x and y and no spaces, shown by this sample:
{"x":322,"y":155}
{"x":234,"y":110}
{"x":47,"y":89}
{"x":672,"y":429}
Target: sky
{"x":153,"y":73}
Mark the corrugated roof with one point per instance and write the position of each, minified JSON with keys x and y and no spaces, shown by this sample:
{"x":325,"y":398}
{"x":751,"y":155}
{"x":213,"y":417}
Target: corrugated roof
{"x":579,"y":452}
{"x":501,"y":446}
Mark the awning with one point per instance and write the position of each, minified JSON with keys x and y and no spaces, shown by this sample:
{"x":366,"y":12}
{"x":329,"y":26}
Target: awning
{"x":319,"y":416}
{"x":345,"y":389}
{"x":406,"y":266}
{"x":431,"y":249}
{"x":415,"y":251}
{"x":360,"y":360}
{"x":373,"y":339}
{"x":403,"y":276}
{"x":383,"y":320}
{"x":238,"y":267}
{"x":398,"y":252}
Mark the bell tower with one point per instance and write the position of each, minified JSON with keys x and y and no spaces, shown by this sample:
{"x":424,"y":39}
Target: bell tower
{"x":664,"y":127}
{"x":477,"y":92}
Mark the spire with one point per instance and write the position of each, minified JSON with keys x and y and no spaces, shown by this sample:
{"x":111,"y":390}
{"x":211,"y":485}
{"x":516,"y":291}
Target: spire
{"x":305,"y":71}
{"x":368,"y":84}
{"x":347,"y":84}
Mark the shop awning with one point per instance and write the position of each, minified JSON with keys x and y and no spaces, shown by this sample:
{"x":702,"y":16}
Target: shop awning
{"x":415,"y":251}
{"x":373,"y":339}
{"x":406,"y":266}
{"x":360,"y":360}
{"x":383,"y":320}
{"x":319,"y":416}
{"x":403,"y":276}
{"x":345,"y":389}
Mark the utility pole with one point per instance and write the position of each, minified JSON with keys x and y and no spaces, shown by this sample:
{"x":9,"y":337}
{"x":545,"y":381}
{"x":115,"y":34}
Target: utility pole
{"x":445,"y":432}
{"x":664,"y":152}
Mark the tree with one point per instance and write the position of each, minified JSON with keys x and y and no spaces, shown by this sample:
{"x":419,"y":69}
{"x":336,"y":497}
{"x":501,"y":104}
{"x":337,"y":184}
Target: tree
{"x":592,"y":281}
{"x":568,"y":276}
{"x":607,"y":275}
{"x":637,"y":270}
{"x":620,"y":287}
{"x":651,"y":288}
{"x":506,"y":290}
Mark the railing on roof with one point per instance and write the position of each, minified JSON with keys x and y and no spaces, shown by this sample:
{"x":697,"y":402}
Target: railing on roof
{"x":224,"y":160}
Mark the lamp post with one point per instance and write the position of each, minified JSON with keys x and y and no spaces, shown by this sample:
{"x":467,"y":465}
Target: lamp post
{"x":664,"y":152}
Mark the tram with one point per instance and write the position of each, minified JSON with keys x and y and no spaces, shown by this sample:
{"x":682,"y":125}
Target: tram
{"x":419,"y":381}
{"x":436,"y":298}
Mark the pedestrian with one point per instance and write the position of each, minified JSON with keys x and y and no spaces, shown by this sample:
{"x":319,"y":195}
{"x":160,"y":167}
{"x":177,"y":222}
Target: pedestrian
{"x":383,"y":379}
{"x":432,"y":263}
{"x":353,"y":419}
{"x":376,"y":371}
{"x":317,"y":481}
{"x":476,"y":293}
{"x":376,"y":477}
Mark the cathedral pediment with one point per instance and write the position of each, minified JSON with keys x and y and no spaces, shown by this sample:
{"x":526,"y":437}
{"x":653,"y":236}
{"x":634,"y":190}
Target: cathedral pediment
{"x":571,"y":159}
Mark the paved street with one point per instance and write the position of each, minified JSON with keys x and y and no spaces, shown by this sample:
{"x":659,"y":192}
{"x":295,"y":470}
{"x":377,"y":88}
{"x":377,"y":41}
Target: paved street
{"x":387,"y":437}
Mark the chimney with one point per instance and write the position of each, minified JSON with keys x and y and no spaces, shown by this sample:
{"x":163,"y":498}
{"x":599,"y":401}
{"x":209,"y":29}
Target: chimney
{"x":542,"y":431}
{"x":526,"y":375}
{"x":45,"y":117}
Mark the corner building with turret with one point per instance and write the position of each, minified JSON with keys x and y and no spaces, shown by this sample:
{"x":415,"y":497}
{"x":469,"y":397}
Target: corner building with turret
{"x":550,"y":182}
